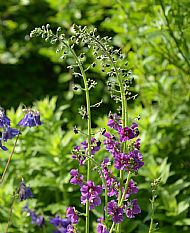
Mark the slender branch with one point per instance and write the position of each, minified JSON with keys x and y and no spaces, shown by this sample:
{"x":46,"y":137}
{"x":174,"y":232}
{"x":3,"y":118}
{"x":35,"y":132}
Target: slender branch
{"x":10,"y":213}
{"x":9,"y":160}
{"x":89,"y":128}
{"x":112,"y":227}
{"x":172,"y":34}
{"x":125,"y":191}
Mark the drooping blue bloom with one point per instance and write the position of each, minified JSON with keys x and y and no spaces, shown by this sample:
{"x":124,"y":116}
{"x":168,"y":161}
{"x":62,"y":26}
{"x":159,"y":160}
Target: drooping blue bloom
{"x":2,"y":147}
{"x":4,"y":120}
{"x":36,"y":220}
{"x":31,"y":118}
{"x":24,"y":192}
{"x":10,"y":133}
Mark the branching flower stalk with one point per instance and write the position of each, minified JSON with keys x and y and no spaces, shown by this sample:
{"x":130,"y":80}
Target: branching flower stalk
{"x":61,"y":39}
{"x":93,"y":40}
{"x":123,"y":147}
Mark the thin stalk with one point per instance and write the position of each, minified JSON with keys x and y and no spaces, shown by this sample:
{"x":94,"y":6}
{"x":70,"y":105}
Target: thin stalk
{"x":10,"y":213}
{"x":9,"y":159}
{"x":125,"y":191}
{"x":112,"y":227}
{"x":106,"y":191}
{"x":89,"y":129}
{"x":152,"y":214}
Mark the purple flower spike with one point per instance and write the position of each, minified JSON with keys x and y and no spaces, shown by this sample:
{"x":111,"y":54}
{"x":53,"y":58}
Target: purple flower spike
{"x":72,"y":215}
{"x":101,"y":228}
{"x":24,"y":192}
{"x":132,"y":208}
{"x":115,"y":211}
{"x":132,"y":189}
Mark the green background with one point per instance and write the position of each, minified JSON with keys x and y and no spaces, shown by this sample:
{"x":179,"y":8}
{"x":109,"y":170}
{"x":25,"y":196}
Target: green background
{"x":154,"y":35}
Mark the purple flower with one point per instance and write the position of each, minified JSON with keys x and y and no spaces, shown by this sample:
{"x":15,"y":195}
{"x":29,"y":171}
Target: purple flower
{"x":24,"y":192}
{"x":91,"y":192}
{"x":79,"y":155}
{"x":2,"y":147}
{"x":114,"y":121}
{"x":132,"y":208}
{"x":101,"y":228}
{"x":137,"y":144}
{"x":115,"y":211}
{"x":111,"y":182}
{"x":130,"y":162}
{"x":112,"y":145}
{"x":31,"y":119}
{"x":37,"y":220}
{"x":95,"y":146}
{"x":72,"y":215}
{"x":10,"y":133}
{"x":4,"y":120}
{"x":70,"y":229}
{"x":76,"y":178}
{"x":126,"y":133}
{"x":57,"y":221}
{"x":132,"y":188}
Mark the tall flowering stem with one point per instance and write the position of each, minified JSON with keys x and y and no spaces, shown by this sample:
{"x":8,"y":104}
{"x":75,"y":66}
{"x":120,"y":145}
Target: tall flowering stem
{"x":9,"y":160}
{"x":89,"y":129}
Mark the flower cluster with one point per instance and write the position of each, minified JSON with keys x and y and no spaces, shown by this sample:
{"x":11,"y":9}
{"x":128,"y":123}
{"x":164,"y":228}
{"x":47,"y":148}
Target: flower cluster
{"x":6,"y":132}
{"x":31,"y":119}
{"x":80,"y":152}
{"x":63,"y":225}
{"x":36,"y":220}
{"x":132,"y":160}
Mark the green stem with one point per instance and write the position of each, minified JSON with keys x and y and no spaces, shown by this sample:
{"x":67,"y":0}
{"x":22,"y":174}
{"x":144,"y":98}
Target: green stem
{"x":112,"y":227}
{"x":152,"y":214}
{"x":9,"y":160}
{"x":10,"y":213}
{"x":125,"y":191}
{"x":89,"y":129}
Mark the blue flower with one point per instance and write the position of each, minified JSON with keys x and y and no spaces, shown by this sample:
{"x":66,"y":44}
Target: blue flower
{"x":31,"y":119}
{"x":4,"y":120}
{"x":2,"y":147}
{"x":10,"y":133}
{"x":24,"y":192}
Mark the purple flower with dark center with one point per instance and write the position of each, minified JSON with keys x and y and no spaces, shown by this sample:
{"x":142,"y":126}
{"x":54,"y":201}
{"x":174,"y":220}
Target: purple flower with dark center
{"x":101,"y":228}
{"x":24,"y":192}
{"x":132,"y":189}
{"x":115,"y":211}
{"x":70,"y":229}
{"x":112,"y":145}
{"x":95,"y":146}
{"x":79,"y":155}
{"x":76,"y":177}
{"x":10,"y":133}
{"x":114,"y":121}
{"x":72,"y":215}
{"x":4,"y":120}
{"x":111,"y":182}
{"x":91,"y":192}
{"x":132,"y":208}
{"x":126,"y":133}
{"x":31,"y":119}
{"x":137,"y":144}
{"x":135,"y":160}
{"x":37,"y":220}
{"x":135,"y":129}
{"x":130,"y":162}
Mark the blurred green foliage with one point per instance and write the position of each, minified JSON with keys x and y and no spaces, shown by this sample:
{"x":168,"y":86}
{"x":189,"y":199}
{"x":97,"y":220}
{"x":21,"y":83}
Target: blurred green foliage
{"x":155,"y":36}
